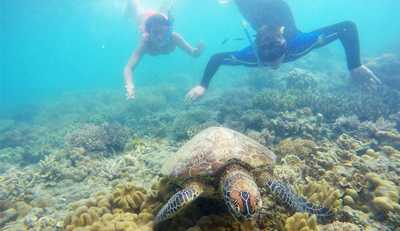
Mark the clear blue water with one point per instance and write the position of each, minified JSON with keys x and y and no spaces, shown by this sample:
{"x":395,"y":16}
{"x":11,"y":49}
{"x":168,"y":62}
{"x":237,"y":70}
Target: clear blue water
{"x":53,"y":46}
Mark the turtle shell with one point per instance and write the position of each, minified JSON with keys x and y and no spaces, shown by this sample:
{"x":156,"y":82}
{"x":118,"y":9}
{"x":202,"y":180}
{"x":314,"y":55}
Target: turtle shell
{"x":212,"y":149}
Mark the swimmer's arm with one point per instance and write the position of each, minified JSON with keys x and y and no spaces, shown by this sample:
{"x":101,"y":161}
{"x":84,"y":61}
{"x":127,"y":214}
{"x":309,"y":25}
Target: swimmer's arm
{"x":130,"y":67}
{"x":137,"y":10}
{"x":185,"y":46}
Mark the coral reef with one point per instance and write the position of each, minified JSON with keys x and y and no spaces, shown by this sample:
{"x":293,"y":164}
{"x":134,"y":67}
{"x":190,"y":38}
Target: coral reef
{"x":300,"y":79}
{"x":50,"y":169}
{"x":385,"y":194}
{"x":338,"y":145}
{"x":321,"y":193}
{"x":301,"y":222}
{"x":7,"y":216}
{"x":126,"y":208}
{"x":215,"y":223}
{"x":184,"y":123}
{"x":339,"y":226}
{"x":129,"y":198}
{"x":98,"y":138}
{"x":387,"y":68}
{"x":300,"y":147}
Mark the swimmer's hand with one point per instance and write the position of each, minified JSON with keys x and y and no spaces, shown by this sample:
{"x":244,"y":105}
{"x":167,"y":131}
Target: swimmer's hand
{"x":130,"y":91}
{"x":224,"y":2}
{"x":199,"y":49}
{"x":195,"y":93}
{"x":365,"y":77}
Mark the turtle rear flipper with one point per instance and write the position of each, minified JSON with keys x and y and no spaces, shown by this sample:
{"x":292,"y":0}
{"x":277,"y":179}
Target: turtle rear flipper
{"x":179,"y":201}
{"x":284,"y":193}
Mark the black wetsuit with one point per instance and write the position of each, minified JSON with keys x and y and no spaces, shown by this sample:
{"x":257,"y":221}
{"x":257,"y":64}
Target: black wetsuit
{"x":277,"y":13}
{"x":273,"y":13}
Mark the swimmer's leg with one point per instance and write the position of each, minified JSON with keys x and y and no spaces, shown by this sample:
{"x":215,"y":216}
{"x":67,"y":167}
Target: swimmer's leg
{"x":347,"y":33}
{"x":139,"y":12}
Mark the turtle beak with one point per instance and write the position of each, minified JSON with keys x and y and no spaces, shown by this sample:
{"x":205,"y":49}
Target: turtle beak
{"x":248,"y":205}
{"x":242,"y":204}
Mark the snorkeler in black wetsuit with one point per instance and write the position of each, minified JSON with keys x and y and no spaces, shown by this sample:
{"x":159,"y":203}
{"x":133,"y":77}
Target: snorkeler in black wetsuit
{"x":279,"y":41}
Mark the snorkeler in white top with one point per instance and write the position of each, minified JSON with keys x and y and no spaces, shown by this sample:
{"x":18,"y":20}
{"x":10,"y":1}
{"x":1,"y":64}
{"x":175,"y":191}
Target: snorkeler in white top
{"x":158,"y":38}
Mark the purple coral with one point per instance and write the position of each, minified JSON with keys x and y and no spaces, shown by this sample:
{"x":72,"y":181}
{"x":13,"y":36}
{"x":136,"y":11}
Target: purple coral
{"x":98,"y":138}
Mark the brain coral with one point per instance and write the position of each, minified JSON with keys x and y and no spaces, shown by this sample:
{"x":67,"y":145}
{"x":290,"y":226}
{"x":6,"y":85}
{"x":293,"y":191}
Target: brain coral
{"x":124,"y":209}
{"x":128,"y":197}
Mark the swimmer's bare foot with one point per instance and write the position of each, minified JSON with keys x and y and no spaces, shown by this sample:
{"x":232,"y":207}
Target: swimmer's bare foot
{"x":130,"y":92}
{"x":364,"y":76}
{"x":224,"y":2}
{"x":195,"y":93}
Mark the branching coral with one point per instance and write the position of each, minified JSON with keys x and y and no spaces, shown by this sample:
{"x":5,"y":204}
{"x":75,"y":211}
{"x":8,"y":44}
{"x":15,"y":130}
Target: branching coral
{"x":12,"y":155}
{"x":184,"y":122}
{"x":383,"y":130}
{"x":339,"y":226}
{"x":300,"y":123}
{"x":300,"y":79}
{"x":111,"y":169}
{"x":18,"y":184}
{"x":50,"y":169}
{"x":253,"y":120}
{"x":346,"y":124}
{"x":299,"y":147}
{"x":98,"y":138}
{"x":90,"y":137}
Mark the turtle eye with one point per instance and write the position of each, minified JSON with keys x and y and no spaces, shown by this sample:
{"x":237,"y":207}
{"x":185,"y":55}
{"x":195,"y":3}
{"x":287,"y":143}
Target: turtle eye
{"x":236,"y":203}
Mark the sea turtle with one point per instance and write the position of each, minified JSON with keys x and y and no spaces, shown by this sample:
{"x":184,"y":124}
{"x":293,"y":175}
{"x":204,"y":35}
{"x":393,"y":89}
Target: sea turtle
{"x":221,"y":162}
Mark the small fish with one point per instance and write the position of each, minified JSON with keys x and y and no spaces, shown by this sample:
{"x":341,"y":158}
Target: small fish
{"x":229,"y":39}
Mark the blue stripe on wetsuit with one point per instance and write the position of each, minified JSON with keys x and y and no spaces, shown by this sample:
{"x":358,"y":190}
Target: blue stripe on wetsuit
{"x":298,"y":46}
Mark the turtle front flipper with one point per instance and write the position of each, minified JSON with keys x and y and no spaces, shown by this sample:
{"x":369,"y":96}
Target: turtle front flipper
{"x":284,"y":193}
{"x":179,"y":200}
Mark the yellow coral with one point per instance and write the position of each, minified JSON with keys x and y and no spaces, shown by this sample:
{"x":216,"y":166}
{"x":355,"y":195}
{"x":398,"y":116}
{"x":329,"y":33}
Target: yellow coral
{"x":22,"y":208}
{"x":339,"y":226}
{"x":128,"y":197}
{"x":301,"y":222}
{"x":82,"y":217}
{"x":123,"y":222}
{"x":350,"y":197}
{"x":121,"y":210}
{"x":321,"y":193}
{"x":384,"y":192}
{"x":222,"y":223}
{"x":299,"y":147}
{"x":392,"y":153}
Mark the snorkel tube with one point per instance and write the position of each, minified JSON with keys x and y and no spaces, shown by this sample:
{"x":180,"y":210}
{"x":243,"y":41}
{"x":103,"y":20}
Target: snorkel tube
{"x":253,"y":46}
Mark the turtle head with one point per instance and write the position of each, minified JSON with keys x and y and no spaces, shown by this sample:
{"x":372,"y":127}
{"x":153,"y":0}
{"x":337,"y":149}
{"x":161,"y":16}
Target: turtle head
{"x":241,"y":195}
{"x":241,"y":204}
